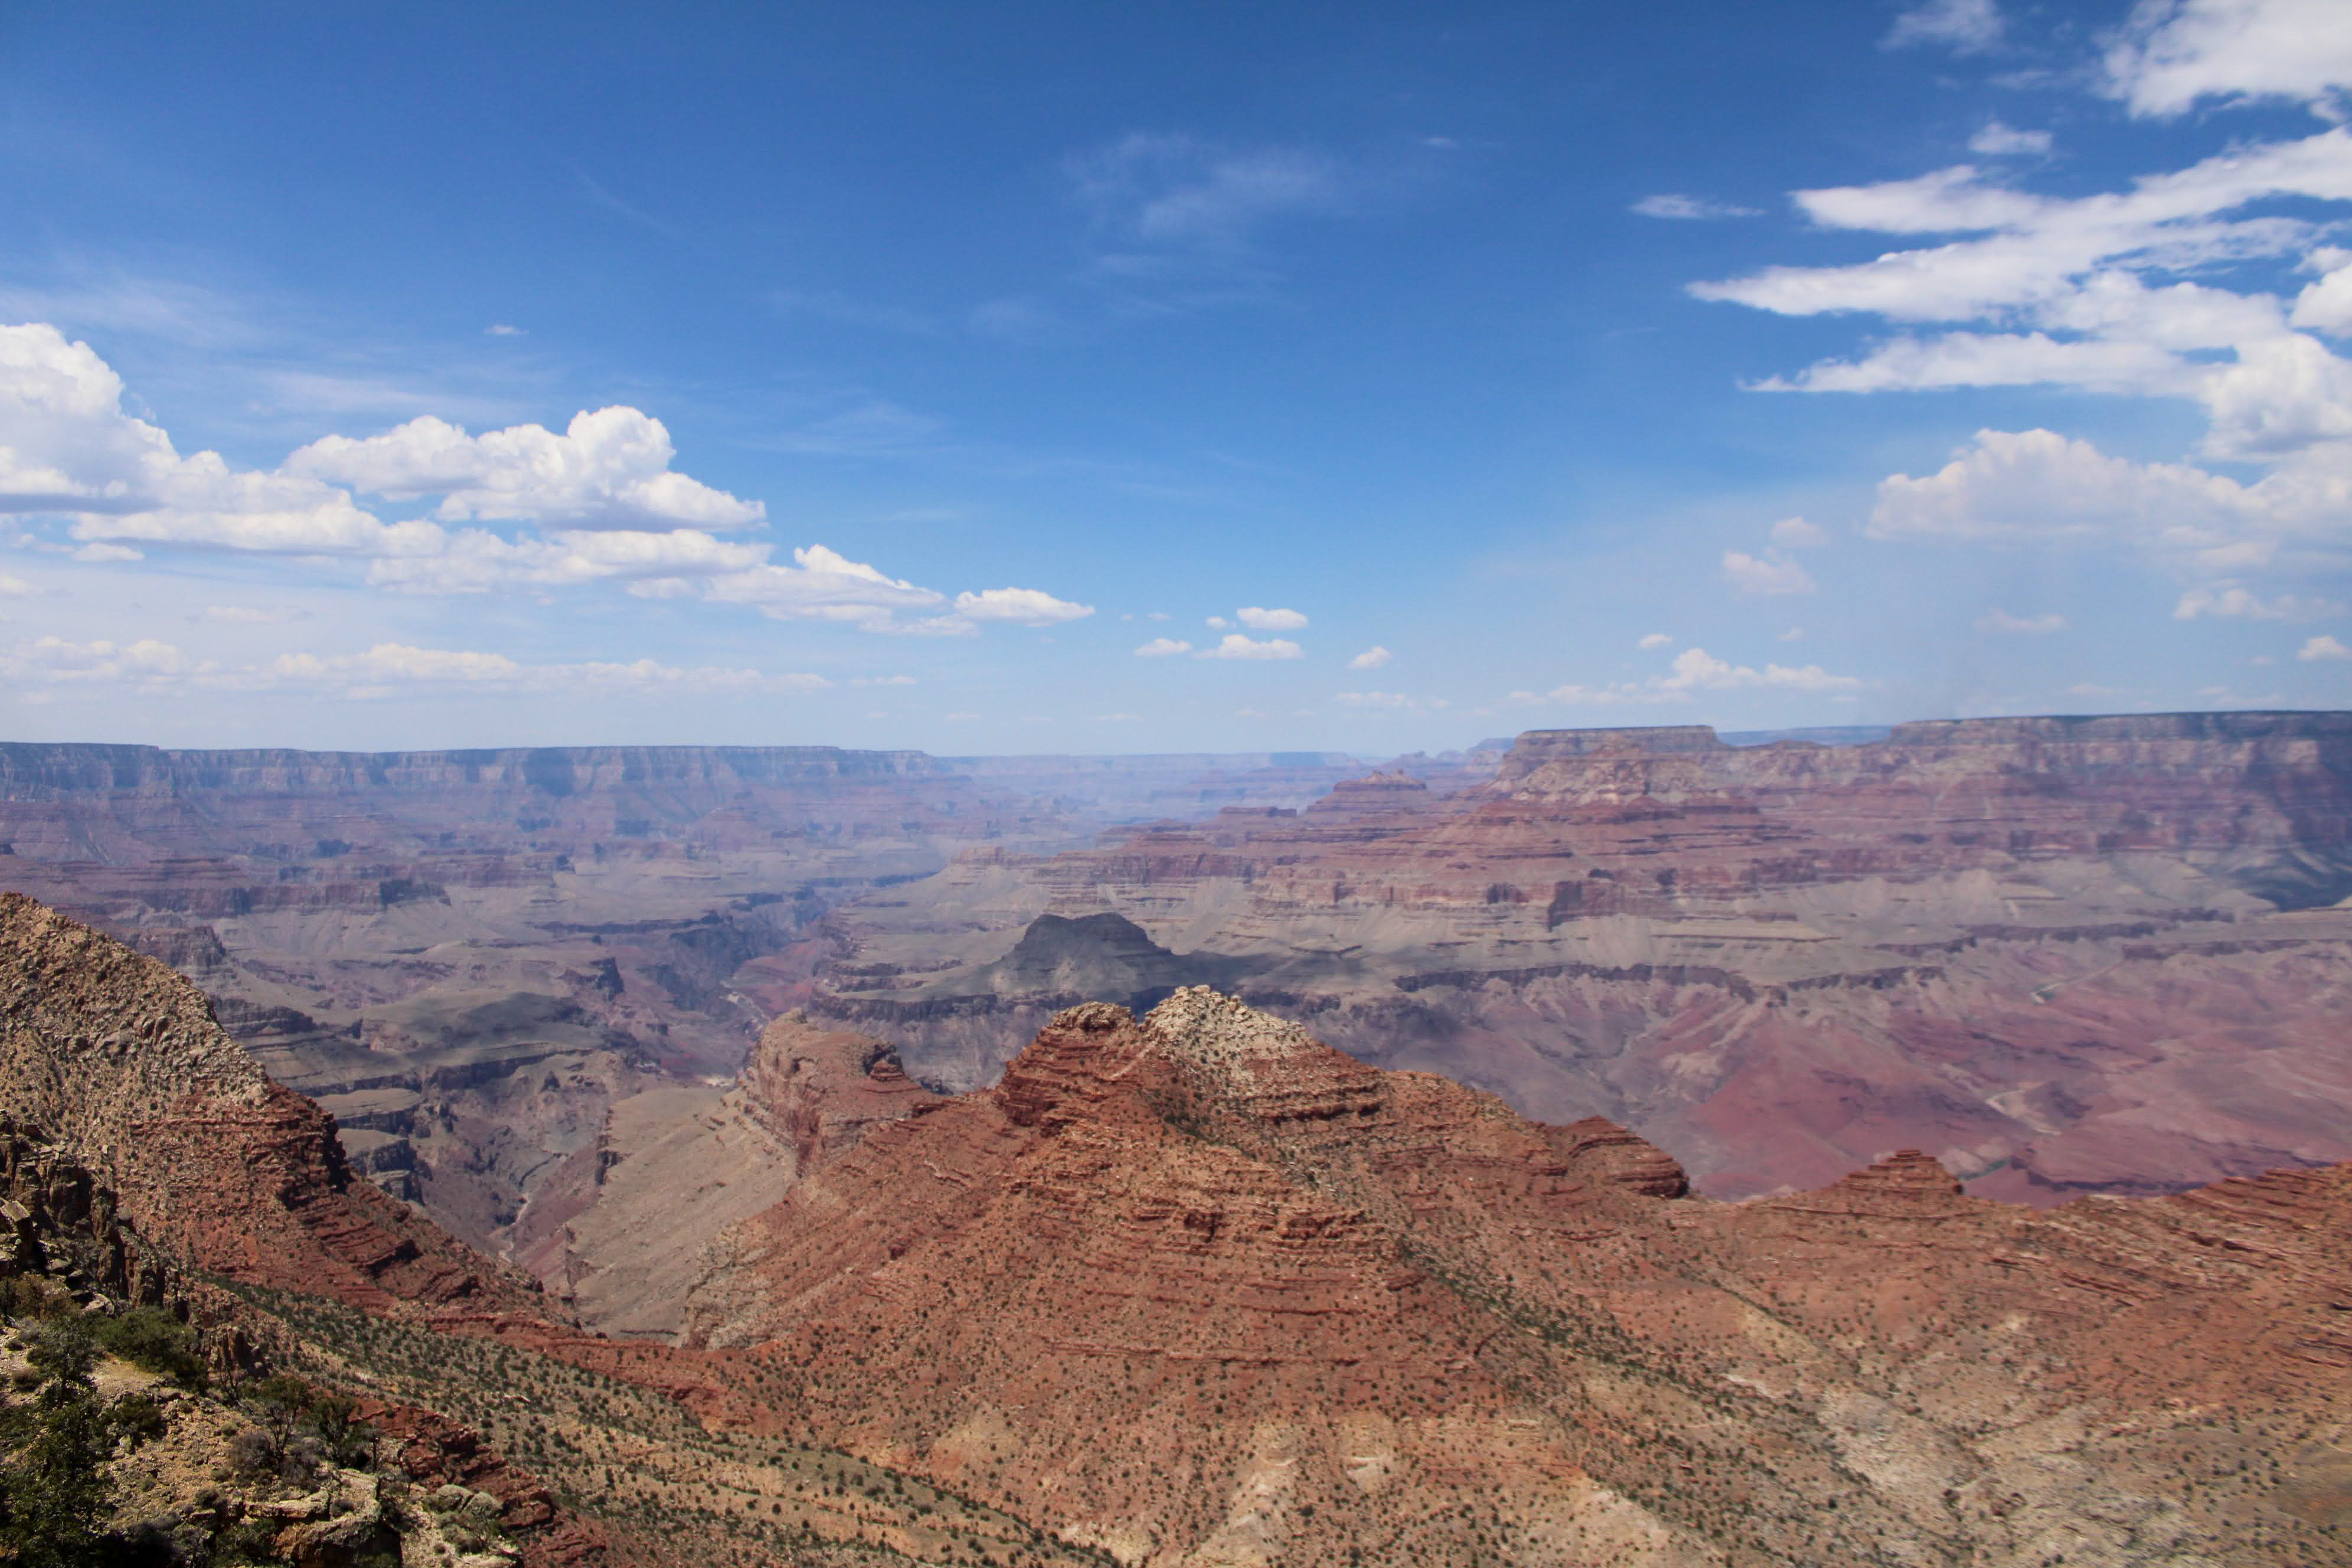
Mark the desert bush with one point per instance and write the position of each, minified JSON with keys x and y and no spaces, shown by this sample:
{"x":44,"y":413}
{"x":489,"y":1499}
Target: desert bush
{"x":63,"y":1350}
{"x":136,"y":1416}
{"x":156,"y":1342}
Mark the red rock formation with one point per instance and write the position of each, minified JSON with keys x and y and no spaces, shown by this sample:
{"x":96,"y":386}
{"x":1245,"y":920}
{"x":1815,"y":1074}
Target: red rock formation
{"x":819,"y":1090}
{"x":1310,"y":1309}
{"x":117,"y":1059}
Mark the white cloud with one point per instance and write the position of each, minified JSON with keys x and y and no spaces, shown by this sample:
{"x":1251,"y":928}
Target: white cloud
{"x":249,"y":615}
{"x":145,"y":662}
{"x":501,"y":330}
{"x":1690,"y":208}
{"x":1259,"y":620}
{"x":883,"y":680}
{"x":2174,"y":53}
{"x":1964,"y":27}
{"x":2322,"y":648}
{"x":1770,"y":575}
{"x":13,"y":588}
{"x":1998,"y":140}
{"x":1020,"y":606}
{"x":1794,"y":634}
{"x":475,"y":560}
{"x":1218,"y":623}
{"x":1163,"y":647}
{"x":1796,"y":533}
{"x":1236,"y":645}
{"x":1655,"y":639}
{"x":2239,"y":604}
{"x":1696,"y":670}
{"x":68,"y":447}
{"x":610,"y":469}
{"x":2325,"y":306}
{"x":1370,"y":658}
{"x":2038,"y":484}
{"x":2000,"y":622}
{"x":822,"y":584}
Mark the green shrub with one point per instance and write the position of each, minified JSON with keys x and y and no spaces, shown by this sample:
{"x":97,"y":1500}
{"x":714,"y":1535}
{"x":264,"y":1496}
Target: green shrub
{"x":63,"y":1351}
{"x":137,"y":1418}
{"x":52,"y":1491}
{"x":156,"y":1342}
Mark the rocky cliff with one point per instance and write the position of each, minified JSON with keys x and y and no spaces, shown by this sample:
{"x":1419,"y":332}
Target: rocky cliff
{"x":2062,"y":955}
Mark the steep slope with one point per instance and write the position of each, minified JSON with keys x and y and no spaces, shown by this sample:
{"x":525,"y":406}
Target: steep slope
{"x":1315,"y":1312}
{"x":146,"y":1160}
{"x":2064,"y":955}
{"x":116,"y":1059}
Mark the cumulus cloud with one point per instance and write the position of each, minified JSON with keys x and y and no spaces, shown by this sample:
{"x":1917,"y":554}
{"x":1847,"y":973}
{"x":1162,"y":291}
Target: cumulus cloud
{"x":600,"y":501}
{"x":1690,"y":208}
{"x":13,"y":588}
{"x":1964,"y":27}
{"x":67,"y":446}
{"x":2315,"y":649}
{"x":1020,"y":606}
{"x":1696,"y":670}
{"x":1770,"y":574}
{"x":610,"y":469}
{"x":1796,"y":533}
{"x":1655,"y":639}
{"x":2172,"y":54}
{"x":2038,"y":485}
{"x":1370,"y":658}
{"x":1998,"y":140}
{"x":1261,"y":620}
{"x":1237,"y":646}
{"x":2002,"y":623}
{"x":1693,"y":670}
{"x":1163,"y":647}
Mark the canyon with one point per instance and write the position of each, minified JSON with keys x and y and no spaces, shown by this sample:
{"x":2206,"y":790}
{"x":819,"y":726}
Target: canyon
{"x":1308,"y":1310}
{"x":482,"y":962}
{"x":2063,"y":955}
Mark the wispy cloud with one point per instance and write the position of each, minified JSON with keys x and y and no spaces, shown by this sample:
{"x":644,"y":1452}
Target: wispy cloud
{"x":1964,"y":27}
{"x":1690,"y":208}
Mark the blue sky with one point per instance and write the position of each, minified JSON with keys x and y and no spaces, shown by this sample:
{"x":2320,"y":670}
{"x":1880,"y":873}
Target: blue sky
{"x":1141,"y":378}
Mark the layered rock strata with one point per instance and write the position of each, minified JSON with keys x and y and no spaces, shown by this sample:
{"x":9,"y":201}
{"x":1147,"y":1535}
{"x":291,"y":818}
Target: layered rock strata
{"x":1316,"y":1312}
{"x":2061,"y":955}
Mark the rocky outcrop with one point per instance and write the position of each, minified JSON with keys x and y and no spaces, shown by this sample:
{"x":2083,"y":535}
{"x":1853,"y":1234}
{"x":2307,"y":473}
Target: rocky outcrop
{"x":116,"y":1059}
{"x":819,"y":1090}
